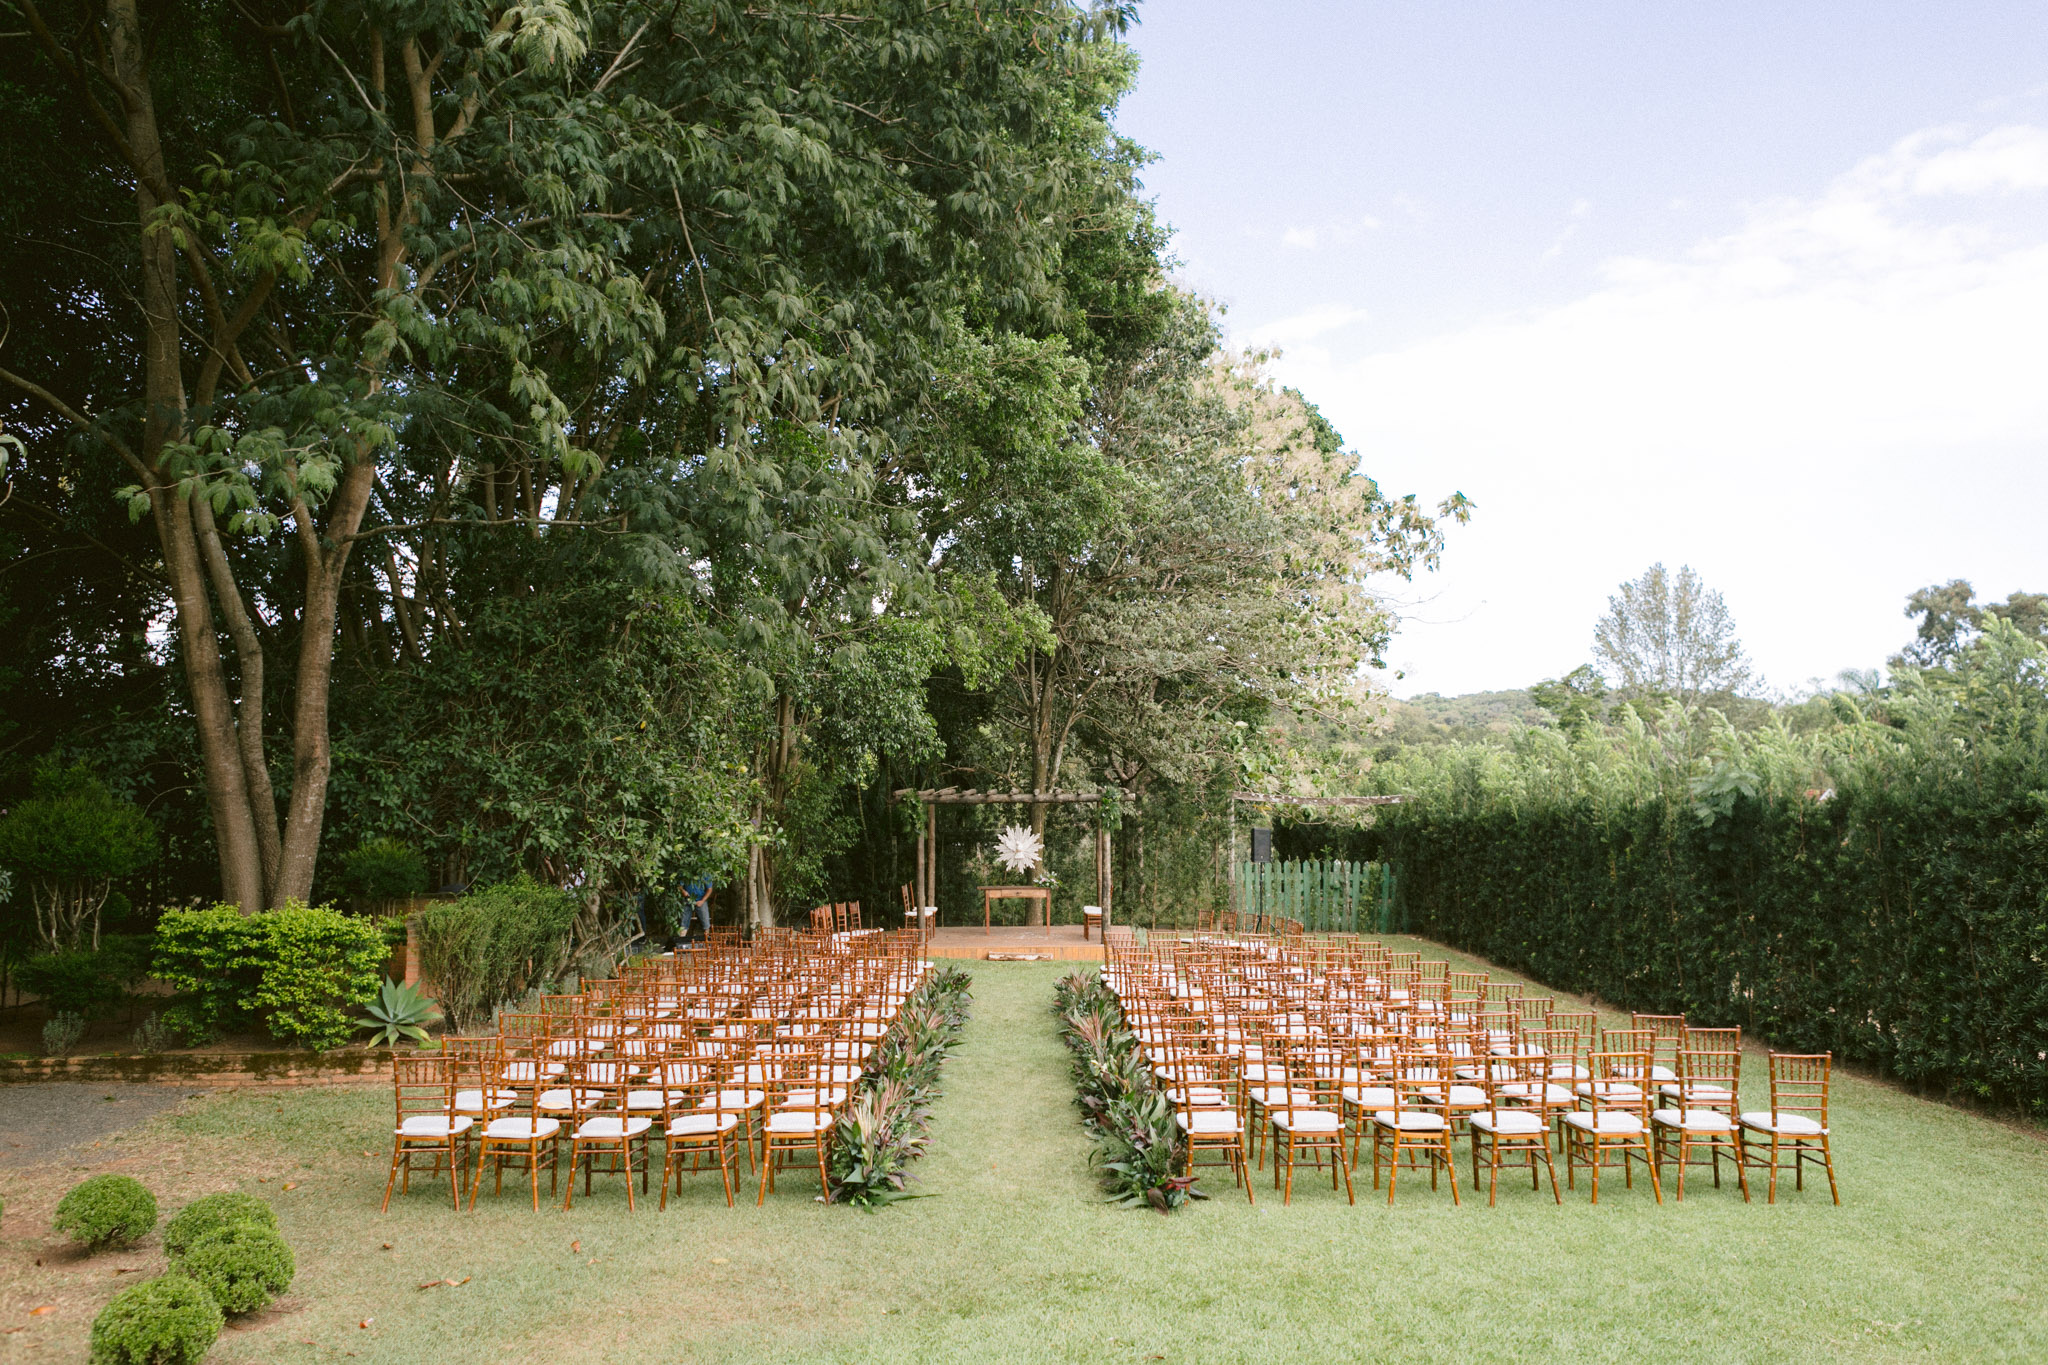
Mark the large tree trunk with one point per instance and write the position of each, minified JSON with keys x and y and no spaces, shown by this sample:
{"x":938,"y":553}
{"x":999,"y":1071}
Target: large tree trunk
{"x":241,"y":864}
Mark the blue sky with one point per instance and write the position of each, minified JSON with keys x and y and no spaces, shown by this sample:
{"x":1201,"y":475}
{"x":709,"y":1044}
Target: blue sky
{"x":1759,"y":288}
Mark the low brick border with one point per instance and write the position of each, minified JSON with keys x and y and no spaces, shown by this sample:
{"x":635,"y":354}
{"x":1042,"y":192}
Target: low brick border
{"x":352,"y":1067}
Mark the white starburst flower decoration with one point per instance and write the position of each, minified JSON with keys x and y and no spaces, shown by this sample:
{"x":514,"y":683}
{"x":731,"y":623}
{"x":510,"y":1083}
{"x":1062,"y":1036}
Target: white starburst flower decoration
{"x":1018,"y":849}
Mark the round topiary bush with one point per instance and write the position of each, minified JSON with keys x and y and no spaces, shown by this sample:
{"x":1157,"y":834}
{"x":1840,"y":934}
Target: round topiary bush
{"x":243,"y":1266}
{"x":106,"y":1211}
{"x":211,"y":1213}
{"x":170,"y":1320}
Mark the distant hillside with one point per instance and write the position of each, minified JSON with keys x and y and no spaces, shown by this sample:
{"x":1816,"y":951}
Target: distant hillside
{"x":1433,"y":718}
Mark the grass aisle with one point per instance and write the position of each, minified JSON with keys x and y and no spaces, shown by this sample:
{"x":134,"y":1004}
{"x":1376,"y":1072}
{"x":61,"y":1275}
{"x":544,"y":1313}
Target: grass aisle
{"x":1935,"y":1254}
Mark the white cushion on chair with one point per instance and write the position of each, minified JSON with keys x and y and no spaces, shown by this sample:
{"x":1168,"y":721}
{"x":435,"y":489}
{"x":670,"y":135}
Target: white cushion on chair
{"x":1371,"y":1096}
{"x":734,"y":1099}
{"x":1413,"y":1122}
{"x":1552,"y":1094}
{"x":1787,"y":1125}
{"x":522,"y":1129}
{"x":560,"y":1099}
{"x":610,"y":1126}
{"x":1211,"y":1121}
{"x":472,"y":1101}
{"x":798,"y":1121}
{"x":1694,"y":1120}
{"x":1609,"y":1123}
{"x":1511,"y":1122}
{"x":432,"y":1126}
{"x":1704,"y":1092}
{"x":1613,"y":1090}
{"x":702,"y":1125}
{"x":1662,"y":1073}
{"x":1306,"y":1121}
{"x":806,"y":1099}
{"x":1467,"y":1097}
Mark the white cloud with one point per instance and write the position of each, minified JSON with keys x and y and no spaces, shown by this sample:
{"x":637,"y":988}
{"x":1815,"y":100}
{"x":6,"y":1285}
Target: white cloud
{"x":1310,"y":236}
{"x":1841,"y":399}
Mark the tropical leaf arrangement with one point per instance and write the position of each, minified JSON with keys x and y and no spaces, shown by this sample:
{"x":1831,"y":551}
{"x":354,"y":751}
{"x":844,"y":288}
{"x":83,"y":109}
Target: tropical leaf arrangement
{"x":399,"y":1012}
{"x":1018,"y":849}
{"x":1137,"y":1142}
{"x":888,"y":1117}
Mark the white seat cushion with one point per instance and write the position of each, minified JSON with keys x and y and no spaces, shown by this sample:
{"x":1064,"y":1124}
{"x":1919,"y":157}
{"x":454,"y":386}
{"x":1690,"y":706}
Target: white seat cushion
{"x":433,"y":1126}
{"x":1788,"y":1125}
{"x":734,"y":1099}
{"x":1662,"y":1073}
{"x":1371,"y":1096}
{"x":1611,"y":1123}
{"x":803,"y":1121}
{"x":1467,"y":1097}
{"x":1552,"y":1094}
{"x":1410,"y":1122}
{"x":1275,"y":1097}
{"x":1714,"y":1093}
{"x":522,"y":1129}
{"x":702,"y":1125}
{"x":653,"y":1099}
{"x":1694,"y":1120}
{"x":472,"y":1101}
{"x":560,"y":1101}
{"x":1211,"y":1121}
{"x":1508,"y":1122}
{"x":611,"y":1126}
{"x":1306,"y":1121}
{"x":1613,"y":1090}
{"x":806,"y":1099}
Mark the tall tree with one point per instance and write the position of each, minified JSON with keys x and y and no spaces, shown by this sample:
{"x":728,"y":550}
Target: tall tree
{"x":1671,"y":637}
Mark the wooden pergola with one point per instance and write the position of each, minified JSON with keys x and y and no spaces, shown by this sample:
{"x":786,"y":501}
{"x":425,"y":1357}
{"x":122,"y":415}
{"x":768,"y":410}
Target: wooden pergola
{"x":926,"y":880}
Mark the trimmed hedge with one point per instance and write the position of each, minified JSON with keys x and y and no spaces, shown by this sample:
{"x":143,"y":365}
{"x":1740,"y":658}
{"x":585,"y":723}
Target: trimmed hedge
{"x":106,"y":1211}
{"x":244,"y":1265}
{"x":302,"y":970}
{"x":211,"y":1213}
{"x":170,"y":1320}
{"x":486,"y":948}
{"x":1878,"y":890}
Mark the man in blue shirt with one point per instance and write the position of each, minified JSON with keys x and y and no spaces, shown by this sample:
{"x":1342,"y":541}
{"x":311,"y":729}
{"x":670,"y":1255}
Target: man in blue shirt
{"x":697,"y":906}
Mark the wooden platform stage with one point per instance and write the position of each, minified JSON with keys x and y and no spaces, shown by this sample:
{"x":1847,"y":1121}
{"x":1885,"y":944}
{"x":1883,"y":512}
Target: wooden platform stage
{"x":1064,"y":945}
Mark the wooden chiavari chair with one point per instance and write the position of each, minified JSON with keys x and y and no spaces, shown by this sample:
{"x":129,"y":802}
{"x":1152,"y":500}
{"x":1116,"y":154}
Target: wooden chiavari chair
{"x":609,"y":1131}
{"x":531,"y":1140}
{"x":1795,"y":1125}
{"x":1418,"y":1127}
{"x":1667,"y":1038}
{"x":1305,"y":1112}
{"x":1509,"y":1127}
{"x":799,"y":1123}
{"x":423,"y":1089}
{"x":1702,"y":1117}
{"x":696,"y":1125}
{"x":1613,"y":1120}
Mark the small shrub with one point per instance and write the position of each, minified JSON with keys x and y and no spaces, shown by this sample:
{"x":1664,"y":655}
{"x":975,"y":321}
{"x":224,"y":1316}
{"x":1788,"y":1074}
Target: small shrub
{"x":152,"y":1035}
{"x":298,"y":968}
{"x":85,"y":981}
{"x":493,"y":944}
{"x":170,"y":1320}
{"x":244,"y":1265}
{"x":106,"y":1211}
{"x":61,"y":1033}
{"x":384,"y":869}
{"x":322,"y":964}
{"x":209,"y":1214}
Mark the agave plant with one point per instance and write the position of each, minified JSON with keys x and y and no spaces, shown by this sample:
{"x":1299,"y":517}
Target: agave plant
{"x":399,"y":1011}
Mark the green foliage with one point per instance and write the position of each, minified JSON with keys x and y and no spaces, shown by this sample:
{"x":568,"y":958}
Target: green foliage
{"x":61,"y":1033}
{"x":383,"y":869}
{"x":487,"y":948}
{"x":152,"y":1035}
{"x":106,"y":1211}
{"x":210,"y":1213}
{"x":69,"y":841}
{"x":85,"y":981}
{"x":399,"y":1012}
{"x":888,"y":1113}
{"x":169,"y":1320}
{"x":298,"y":969}
{"x":244,"y":1265}
{"x":1137,"y":1143}
{"x":1874,"y":887}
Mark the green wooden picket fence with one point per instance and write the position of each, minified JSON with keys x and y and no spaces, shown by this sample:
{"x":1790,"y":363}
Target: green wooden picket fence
{"x":1327,"y":897}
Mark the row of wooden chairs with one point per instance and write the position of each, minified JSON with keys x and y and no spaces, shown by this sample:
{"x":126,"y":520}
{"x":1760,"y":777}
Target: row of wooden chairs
{"x":721,"y":1053}
{"x":1321,"y":1044}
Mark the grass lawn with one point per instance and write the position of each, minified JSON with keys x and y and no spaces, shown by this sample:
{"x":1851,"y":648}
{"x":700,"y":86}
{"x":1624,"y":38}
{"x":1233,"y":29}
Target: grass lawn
{"x":1935,"y":1254}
